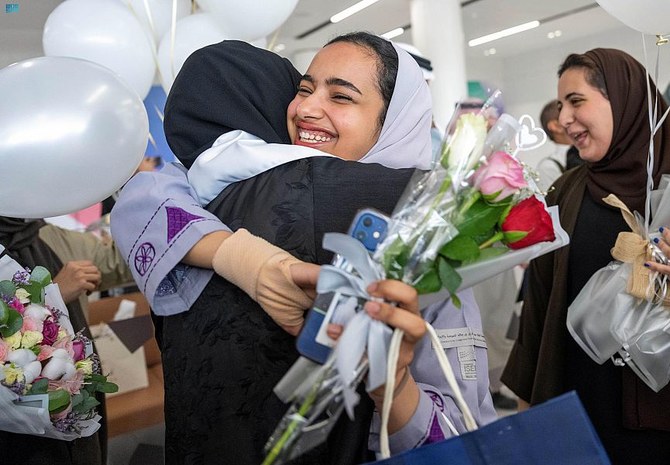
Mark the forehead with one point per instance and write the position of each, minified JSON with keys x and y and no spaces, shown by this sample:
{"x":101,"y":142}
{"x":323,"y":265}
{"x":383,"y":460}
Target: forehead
{"x":574,"y":80}
{"x":343,"y":60}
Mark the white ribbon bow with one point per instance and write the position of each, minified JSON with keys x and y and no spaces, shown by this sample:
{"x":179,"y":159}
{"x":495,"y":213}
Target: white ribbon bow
{"x":361,"y":332}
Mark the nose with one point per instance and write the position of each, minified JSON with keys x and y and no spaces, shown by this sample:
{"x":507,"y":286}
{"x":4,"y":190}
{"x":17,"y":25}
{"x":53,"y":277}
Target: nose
{"x":310,"y":107}
{"x":565,"y":117}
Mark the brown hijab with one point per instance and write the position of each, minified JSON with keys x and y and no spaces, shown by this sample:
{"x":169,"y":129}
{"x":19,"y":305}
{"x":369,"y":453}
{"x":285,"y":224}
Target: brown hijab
{"x":623,"y":170}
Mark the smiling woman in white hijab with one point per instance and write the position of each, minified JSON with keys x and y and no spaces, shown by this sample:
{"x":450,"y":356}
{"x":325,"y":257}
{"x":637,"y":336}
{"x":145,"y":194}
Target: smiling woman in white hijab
{"x":222,"y":354}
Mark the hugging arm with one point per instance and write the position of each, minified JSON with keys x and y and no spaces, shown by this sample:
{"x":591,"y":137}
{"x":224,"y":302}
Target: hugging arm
{"x":170,"y":242}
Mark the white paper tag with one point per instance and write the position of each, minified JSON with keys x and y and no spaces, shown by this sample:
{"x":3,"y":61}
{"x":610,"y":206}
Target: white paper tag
{"x":460,"y":337}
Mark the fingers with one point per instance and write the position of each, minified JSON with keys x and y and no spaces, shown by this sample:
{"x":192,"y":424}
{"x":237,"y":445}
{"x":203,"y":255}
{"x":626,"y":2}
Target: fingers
{"x":391,"y":290}
{"x":664,"y":245}
{"x":334,"y":331}
{"x":305,"y":276}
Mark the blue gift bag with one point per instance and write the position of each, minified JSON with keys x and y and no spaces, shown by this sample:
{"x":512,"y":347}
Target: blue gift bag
{"x":557,"y":432}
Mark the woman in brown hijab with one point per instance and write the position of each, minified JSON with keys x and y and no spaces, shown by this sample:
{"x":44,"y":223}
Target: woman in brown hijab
{"x":603,"y":99}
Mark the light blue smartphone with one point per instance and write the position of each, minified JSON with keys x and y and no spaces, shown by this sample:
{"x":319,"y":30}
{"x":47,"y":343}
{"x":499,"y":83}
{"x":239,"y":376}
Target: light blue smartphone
{"x":369,"y":227}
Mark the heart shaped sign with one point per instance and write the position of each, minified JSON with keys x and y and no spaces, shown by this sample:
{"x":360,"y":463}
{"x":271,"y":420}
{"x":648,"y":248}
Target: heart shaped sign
{"x":529,"y":137}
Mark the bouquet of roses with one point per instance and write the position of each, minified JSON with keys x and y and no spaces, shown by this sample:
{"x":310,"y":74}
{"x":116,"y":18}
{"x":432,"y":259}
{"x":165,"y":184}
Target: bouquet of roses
{"x":48,"y":374}
{"x":476,"y":204}
{"x":475,"y":214}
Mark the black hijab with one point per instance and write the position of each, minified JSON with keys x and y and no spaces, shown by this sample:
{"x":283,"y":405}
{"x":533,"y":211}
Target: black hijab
{"x":623,"y":170}
{"x":195,"y":119}
{"x":21,"y":241}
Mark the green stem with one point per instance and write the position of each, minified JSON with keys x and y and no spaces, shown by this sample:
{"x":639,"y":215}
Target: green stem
{"x":286,"y":435}
{"x":492,"y":240}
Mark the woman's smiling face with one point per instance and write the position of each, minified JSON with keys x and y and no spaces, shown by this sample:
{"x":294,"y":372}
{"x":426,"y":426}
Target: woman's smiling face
{"x":585,"y":114}
{"x":338,"y":103}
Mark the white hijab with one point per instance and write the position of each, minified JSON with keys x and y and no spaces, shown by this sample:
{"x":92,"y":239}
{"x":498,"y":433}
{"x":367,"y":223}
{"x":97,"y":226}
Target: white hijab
{"x":404,"y":141}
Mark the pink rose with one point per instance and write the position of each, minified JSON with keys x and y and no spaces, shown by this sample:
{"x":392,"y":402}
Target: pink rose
{"x":78,"y":347}
{"x":17,"y":305}
{"x":4,"y":350}
{"x":49,"y":332}
{"x":45,"y":352}
{"x":31,"y":324}
{"x":499,"y":177}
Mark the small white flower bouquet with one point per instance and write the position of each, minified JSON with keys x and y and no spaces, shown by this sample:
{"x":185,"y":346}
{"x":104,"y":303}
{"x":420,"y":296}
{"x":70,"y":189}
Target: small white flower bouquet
{"x":48,"y":373}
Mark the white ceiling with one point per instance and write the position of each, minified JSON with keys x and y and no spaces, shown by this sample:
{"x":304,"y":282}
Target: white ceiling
{"x":479,"y":17}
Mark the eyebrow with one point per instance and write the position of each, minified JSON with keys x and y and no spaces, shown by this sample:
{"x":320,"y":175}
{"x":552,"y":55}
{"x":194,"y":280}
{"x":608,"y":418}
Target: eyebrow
{"x":335,"y":81}
{"x":573,"y":94}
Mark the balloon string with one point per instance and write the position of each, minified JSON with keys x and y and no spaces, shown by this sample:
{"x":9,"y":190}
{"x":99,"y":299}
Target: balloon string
{"x":173,"y":35}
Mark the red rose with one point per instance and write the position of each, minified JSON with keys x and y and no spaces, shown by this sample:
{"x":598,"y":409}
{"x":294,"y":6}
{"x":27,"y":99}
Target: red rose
{"x":528,"y":223}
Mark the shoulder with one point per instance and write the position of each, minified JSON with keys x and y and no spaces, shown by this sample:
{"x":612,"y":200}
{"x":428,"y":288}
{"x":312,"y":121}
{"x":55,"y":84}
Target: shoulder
{"x":574,"y":178}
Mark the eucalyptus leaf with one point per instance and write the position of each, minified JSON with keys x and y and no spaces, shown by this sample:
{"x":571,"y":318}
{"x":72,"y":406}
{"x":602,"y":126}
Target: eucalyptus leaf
{"x":12,"y":324}
{"x":58,"y":400}
{"x":107,"y":387}
{"x":41,"y":276}
{"x":4,"y":313}
{"x":36,"y":291}
{"x":7,"y":288}
{"x":39,"y":387}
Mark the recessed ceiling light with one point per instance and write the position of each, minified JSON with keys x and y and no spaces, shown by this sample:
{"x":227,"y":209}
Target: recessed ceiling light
{"x":393,"y":33}
{"x":353,"y":9}
{"x":504,"y":33}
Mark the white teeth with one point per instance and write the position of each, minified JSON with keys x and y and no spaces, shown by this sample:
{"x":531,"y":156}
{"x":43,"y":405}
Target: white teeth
{"x":310,"y":137}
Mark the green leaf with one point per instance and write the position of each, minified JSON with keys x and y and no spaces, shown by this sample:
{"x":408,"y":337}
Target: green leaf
{"x":449,"y":278}
{"x":41,"y":276}
{"x":39,"y":387}
{"x":456,"y":301}
{"x":12,"y":324}
{"x":77,"y":399}
{"x":395,"y":259}
{"x":479,"y":218}
{"x":36,"y":291}
{"x":107,"y":387}
{"x":58,"y":400}
{"x":513,"y":236}
{"x":4,"y":313}
{"x":7,"y":288}
{"x":86,"y":405}
{"x":429,"y":282}
{"x":460,"y":248}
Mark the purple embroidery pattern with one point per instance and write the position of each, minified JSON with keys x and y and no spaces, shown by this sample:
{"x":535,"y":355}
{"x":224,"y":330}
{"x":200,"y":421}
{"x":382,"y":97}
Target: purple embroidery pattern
{"x":437,"y":399}
{"x":144,"y":257}
{"x":177,"y":219}
{"x":435,"y":434}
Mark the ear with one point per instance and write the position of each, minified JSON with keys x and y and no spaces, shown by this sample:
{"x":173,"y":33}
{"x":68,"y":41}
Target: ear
{"x":555,"y":128}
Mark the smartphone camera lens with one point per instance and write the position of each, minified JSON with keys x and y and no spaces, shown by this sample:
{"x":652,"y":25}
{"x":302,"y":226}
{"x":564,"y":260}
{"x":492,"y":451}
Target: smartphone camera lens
{"x":367,"y":221}
{"x":360,"y":235}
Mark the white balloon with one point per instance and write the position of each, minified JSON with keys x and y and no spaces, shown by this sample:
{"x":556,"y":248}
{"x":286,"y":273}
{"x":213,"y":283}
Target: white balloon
{"x":648,"y":16}
{"x":161,"y":14}
{"x":104,"y":32}
{"x":249,"y":19}
{"x":71,"y":133}
{"x":192,"y":33}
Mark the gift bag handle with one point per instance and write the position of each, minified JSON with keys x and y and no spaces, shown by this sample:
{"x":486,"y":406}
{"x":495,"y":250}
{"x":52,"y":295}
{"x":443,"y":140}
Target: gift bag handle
{"x":392,"y":360}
